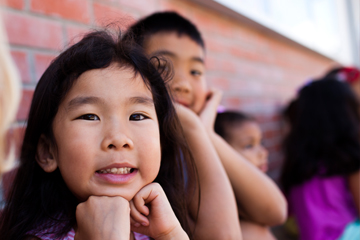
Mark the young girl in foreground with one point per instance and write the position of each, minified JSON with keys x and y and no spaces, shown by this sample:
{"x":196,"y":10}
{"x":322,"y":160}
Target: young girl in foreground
{"x":321,"y":173}
{"x":101,"y":130}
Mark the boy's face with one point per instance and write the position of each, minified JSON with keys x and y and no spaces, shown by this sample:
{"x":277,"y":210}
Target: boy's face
{"x":246,"y":139}
{"x":188,"y":87}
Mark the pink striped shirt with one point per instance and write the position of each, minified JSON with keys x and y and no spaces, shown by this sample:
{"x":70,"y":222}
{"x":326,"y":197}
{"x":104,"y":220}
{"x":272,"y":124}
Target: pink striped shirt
{"x":49,"y":235}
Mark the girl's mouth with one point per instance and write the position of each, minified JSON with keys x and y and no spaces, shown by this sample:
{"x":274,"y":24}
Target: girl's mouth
{"x":122,"y":170}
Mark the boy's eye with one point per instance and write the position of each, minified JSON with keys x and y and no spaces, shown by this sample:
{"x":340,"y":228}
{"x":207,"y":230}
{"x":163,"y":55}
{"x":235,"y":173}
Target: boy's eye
{"x":89,"y":117}
{"x":137,"y":117}
{"x":195,"y":73}
{"x":163,"y":67}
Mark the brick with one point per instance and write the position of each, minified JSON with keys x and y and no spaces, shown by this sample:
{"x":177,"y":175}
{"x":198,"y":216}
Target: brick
{"x":25,"y":103}
{"x":177,"y":6}
{"x":17,"y":4}
{"x":105,"y":15}
{"x":22,"y":64}
{"x":215,"y":45}
{"x":219,"y":82}
{"x":7,"y":180}
{"x":211,"y":63}
{"x":145,"y":7}
{"x":15,"y":137}
{"x":77,"y":10}
{"x":232,"y":102}
{"x":75,"y":34}
{"x":42,"y":61}
{"x":33,"y":31}
{"x":228,"y":66}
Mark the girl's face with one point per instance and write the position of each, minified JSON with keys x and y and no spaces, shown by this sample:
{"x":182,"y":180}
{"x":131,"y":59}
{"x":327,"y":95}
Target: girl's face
{"x":107,"y":135}
{"x":246,"y":139}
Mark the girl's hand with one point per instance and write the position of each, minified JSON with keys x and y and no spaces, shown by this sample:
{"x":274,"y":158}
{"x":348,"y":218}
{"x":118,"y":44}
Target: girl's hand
{"x":152,"y":215}
{"x":209,"y":112}
{"x":103,"y":217}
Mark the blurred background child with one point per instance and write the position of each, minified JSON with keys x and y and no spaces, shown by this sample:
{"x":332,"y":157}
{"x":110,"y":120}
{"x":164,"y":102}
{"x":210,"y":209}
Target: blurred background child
{"x":350,"y":75}
{"x":322,"y":160}
{"x":243,"y":133}
{"x":9,"y":96}
{"x":9,"y":100}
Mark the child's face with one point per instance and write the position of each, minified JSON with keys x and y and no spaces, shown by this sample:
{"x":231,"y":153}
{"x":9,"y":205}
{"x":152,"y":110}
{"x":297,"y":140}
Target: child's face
{"x":356,"y":87}
{"x":107,"y":135}
{"x":246,"y":139}
{"x":188,"y":86}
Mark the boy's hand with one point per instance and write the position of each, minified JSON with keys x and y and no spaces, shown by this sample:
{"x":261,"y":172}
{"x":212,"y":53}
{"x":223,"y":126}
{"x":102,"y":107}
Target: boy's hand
{"x":152,"y":215}
{"x":188,"y":119}
{"x":102,"y":217}
{"x":209,"y":112}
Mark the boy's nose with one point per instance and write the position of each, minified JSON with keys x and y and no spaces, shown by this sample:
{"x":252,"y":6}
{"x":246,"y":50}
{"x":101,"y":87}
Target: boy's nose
{"x":181,"y":84}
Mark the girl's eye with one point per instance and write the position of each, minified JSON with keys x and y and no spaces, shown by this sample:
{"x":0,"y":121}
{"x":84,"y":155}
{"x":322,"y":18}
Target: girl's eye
{"x":89,"y":117}
{"x":195,"y":73}
{"x":137,"y":117}
{"x":249,"y":146}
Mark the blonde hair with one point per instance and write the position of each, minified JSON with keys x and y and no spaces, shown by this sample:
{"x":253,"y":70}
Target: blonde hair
{"x":9,"y":98}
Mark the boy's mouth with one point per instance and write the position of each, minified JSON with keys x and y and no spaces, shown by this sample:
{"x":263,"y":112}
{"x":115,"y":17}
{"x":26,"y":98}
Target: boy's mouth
{"x":185,"y":104}
{"x":122,"y":170}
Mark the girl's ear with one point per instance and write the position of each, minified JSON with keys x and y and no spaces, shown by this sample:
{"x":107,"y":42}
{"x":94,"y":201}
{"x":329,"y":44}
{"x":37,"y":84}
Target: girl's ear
{"x":45,"y":156}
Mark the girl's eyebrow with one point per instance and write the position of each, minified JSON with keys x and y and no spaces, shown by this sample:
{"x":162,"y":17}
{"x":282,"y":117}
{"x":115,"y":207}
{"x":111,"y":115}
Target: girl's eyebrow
{"x":142,"y":100}
{"x":78,"y":101}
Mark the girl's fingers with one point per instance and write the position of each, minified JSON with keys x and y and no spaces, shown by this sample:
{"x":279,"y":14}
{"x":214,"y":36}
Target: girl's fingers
{"x":138,"y":217}
{"x":134,"y":223}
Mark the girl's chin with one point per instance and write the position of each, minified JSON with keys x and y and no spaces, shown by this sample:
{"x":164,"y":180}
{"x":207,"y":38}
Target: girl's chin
{"x":264,"y":168}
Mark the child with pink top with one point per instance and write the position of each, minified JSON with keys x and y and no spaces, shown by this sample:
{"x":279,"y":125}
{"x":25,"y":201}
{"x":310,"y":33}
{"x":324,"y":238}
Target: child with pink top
{"x":322,"y":162}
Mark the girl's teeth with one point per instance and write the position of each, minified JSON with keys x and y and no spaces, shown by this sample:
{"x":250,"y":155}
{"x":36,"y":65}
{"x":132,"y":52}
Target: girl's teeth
{"x":124,"y":170}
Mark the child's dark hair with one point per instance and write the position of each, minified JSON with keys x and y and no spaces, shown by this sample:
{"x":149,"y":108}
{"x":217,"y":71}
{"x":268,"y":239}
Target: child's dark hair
{"x":229,"y":119}
{"x":40,"y":200}
{"x":324,"y":139}
{"x":164,"y":22}
{"x":289,"y":113}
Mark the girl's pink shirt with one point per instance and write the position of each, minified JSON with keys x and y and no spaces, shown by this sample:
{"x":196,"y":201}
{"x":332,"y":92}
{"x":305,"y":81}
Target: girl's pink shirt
{"x":70,"y":236}
{"x":322,"y":206}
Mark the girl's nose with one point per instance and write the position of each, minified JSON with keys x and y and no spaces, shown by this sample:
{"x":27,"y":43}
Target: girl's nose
{"x":116,"y":140}
{"x":263,"y":153}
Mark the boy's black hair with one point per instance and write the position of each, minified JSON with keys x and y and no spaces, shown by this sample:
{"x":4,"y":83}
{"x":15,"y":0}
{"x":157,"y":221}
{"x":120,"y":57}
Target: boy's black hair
{"x":164,"y":22}
{"x":40,"y":201}
{"x":226,"y":120}
{"x":325,"y":137}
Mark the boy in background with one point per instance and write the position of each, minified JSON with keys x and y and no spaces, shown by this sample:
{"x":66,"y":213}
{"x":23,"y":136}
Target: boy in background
{"x":258,"y":199}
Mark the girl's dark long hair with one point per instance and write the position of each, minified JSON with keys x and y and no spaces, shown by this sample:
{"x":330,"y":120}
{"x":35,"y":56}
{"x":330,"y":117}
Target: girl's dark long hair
{"x":324,"y":138}
{"x":40,"y":200}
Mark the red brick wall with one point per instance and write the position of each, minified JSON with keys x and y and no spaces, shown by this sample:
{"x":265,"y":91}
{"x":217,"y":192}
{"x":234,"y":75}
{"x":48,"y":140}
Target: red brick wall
{"x":257,"y":72}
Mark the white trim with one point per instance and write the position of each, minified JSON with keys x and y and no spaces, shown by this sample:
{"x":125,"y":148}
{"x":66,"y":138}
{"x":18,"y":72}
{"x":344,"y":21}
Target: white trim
{"x":344,"y":45}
